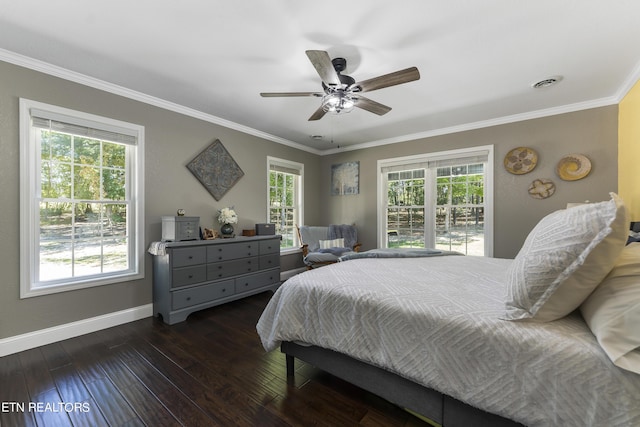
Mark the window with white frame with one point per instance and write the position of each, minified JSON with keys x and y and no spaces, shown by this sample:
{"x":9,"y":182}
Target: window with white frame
{"x":285,"y":199}
{"x":438,"y":200}
{"x":81,"y":200}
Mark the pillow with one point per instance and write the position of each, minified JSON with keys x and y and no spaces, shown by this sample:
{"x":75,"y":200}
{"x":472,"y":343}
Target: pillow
{"x":563,"y":259}
{"x":612,"y":311}
{"x":335,"y":243}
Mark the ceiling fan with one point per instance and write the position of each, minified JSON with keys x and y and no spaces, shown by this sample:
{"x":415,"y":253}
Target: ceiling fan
{"x":341,"y":93}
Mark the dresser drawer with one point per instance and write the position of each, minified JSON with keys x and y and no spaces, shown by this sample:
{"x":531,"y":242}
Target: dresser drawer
{"x":227,"y":251}
{"x":220,"y":270}
{"x":188,"y":275}
{"x":254,"y":281}
{"x":271,"y":246}
{"x":182,"y":257}
{"x":200,"y":294}
{"x":269,"y":261}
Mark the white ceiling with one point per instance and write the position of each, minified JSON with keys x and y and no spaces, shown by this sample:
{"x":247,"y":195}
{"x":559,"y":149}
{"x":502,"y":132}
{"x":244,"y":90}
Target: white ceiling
{"x":212,"y":58}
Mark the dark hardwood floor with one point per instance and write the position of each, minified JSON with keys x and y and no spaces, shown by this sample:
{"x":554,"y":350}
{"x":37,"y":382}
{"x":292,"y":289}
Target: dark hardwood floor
{"x":210,"y":370}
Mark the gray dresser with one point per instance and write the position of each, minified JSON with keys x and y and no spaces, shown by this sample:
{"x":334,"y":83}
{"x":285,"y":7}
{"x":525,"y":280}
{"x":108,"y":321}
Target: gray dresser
{"x":195,"y":275}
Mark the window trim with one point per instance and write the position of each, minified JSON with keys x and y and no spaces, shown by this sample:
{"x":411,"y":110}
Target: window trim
{"x":29,"y":228}
{"x":287,"y":164}
{"x":424,"y":158}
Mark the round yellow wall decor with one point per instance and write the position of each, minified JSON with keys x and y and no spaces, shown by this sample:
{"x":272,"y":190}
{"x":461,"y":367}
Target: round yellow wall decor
{"x":573,"y":167}
{"x":520,"y":160}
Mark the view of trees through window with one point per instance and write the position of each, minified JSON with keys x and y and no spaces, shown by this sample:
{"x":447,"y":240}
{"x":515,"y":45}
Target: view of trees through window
{"x":282,"y":206}
{"x":458,"y":210}
{"x":406,"y":209}
{"x":83,"y":207}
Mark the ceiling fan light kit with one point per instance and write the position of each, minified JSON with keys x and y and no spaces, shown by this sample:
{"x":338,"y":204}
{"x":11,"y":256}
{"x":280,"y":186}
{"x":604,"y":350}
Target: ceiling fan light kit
{"x":338,"y":103}
{"x":338,"y":96}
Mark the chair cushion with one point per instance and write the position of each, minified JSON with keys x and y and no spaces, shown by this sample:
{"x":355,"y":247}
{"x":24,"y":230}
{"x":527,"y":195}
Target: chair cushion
{"x":311,"y":236}
{"x":316,"y":257}
{"x":335,"y":243}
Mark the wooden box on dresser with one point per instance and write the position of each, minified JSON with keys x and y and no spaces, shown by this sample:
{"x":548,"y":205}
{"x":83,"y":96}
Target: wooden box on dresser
{"x":199,"y":274}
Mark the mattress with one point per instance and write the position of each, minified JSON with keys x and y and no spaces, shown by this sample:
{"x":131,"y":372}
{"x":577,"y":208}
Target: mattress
{"x":436,"y":321}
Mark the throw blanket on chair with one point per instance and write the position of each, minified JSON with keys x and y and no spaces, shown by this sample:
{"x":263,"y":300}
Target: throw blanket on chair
{"x":345,"y":231}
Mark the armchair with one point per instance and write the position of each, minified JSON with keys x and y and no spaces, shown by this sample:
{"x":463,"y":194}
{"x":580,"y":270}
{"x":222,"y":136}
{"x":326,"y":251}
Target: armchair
{"x":324,"y":245}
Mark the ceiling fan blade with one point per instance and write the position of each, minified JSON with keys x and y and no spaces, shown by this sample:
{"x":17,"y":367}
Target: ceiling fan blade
{"x":278,"y":94}
{"x":323,"y":65}
{"x":318,"y":114}
{"x":371,"y":106}
{"x":391,"y":79}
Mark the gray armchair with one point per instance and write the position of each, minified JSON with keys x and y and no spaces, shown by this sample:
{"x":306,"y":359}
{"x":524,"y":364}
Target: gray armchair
{"x":324,"y":245}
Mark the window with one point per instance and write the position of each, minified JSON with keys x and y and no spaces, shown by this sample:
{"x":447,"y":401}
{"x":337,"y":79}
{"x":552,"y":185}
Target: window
{"x":81,"y":200}
{"x":285,"y":199}
{"x":438,"y":200}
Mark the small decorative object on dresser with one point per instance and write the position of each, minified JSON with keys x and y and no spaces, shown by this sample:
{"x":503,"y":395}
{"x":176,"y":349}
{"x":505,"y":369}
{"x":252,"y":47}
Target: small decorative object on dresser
{"x":265,"y":229}
{"x":180,"y":228}
{"x":192,"y":276}
{"x":226,"y":217}
{"x":210,"y":234}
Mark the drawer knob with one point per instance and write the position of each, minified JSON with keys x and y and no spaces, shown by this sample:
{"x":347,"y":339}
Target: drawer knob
{"x":224,"y":289}
{"x":191,"y":276}
{"x":188,"y":298}
{"x":219,"y":257}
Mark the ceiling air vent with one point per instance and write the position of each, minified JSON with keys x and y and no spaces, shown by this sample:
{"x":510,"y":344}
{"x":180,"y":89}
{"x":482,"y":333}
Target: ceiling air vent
{"x":550,"y":81}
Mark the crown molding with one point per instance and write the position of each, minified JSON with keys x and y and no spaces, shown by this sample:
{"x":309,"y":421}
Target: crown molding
{"x":602,"y":102}
{"x":63,"y":73}
{"x":53,"y":70}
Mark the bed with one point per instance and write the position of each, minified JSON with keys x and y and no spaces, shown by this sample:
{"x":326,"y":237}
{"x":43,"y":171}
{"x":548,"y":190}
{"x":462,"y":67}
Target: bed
{"x":454,"y":339}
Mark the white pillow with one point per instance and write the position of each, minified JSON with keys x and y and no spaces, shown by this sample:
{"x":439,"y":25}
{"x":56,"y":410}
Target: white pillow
{"x":335,"y":243}
{"x":564,"y":258}
{"x":612,"y":311}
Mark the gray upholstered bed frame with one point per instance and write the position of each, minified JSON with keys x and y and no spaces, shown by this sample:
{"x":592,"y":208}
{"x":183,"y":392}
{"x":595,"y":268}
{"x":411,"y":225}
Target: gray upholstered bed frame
{"x":438,"y":407}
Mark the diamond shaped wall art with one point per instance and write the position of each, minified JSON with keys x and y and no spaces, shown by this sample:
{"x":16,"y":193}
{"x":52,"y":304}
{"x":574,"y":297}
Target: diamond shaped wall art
{"x":215,"y":169}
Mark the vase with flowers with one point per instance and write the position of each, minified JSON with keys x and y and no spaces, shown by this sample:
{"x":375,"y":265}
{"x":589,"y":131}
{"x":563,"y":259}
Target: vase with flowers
{"x":227,"y":217}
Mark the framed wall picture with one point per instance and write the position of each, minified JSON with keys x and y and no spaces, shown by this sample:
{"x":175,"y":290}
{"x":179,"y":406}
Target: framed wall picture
{"x":345,"y":178}
{"x":215,"y":169}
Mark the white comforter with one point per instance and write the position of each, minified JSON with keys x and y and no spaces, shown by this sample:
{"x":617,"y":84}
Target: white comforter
{"x":437,"y":322}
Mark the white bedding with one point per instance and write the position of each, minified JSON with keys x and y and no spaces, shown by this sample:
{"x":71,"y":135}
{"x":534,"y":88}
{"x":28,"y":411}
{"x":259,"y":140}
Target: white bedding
{"x":436,"y":321}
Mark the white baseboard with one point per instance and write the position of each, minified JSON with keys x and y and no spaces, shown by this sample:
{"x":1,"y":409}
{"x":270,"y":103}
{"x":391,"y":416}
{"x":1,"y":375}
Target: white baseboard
{"x":284,"y":275}
{"x":46,"y":336}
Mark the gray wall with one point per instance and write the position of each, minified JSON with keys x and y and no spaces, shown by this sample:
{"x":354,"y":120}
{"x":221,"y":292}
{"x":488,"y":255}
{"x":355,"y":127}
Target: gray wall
{"x":172,"y":140}
{"x":591,"y":132}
